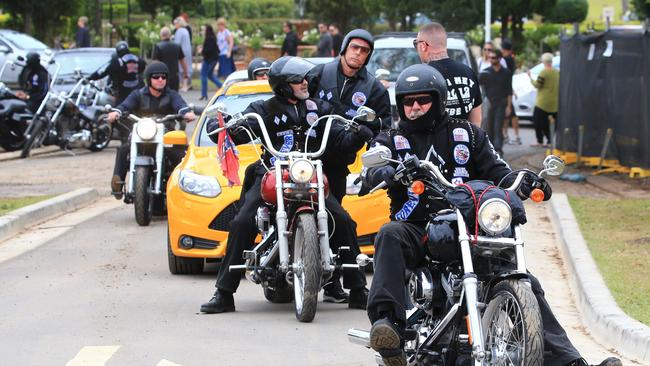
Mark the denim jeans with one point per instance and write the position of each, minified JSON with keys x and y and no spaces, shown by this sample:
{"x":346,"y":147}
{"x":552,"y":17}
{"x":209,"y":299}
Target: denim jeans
{"x":207,"y":72}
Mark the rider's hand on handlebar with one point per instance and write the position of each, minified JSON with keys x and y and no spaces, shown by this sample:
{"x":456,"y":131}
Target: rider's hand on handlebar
{"x":408,"y":169}
{"x":113,"y":116}
{"x":384,"y":173}
{"x":529,"y":183}
{"x":364,"y":133}
{"x":189,"y":116}
{"x":21,"y":95}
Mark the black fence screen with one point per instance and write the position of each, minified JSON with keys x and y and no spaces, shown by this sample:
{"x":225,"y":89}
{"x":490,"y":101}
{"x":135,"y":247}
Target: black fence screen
{"x":605,"y":83}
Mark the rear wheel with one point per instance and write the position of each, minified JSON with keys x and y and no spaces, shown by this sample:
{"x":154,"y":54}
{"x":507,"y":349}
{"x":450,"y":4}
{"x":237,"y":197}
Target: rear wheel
{"x":101,"y":134}
{"x":306,"y":259}
{"x":182,"y":265}
{"x":512,"y":325}
{"x":142,"y":200}
{"x":12,"y":135}
{"x":33,"y":133}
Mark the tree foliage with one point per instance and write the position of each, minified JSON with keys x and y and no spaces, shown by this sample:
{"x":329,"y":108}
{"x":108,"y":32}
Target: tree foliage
{"x":459,"y":15}
{"x":37,"y":19}
{"x":642,"y":8}
{"x":569,"y":11}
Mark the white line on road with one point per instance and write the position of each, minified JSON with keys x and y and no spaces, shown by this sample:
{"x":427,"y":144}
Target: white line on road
{"x":93,"y":356}
{"x":164,"y":362}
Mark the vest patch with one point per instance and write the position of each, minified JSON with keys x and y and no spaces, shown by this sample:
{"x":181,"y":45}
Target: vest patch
{"x":460,"y":134}
{"x":321,"y":94}
{"x":461,"y":172}
{"x":457,"y":181}
{"x":311,"y":118}
{"x":461,"y":154}
{"x":401,"y":143}
{"x":311,"y":105}
{"x":409,"y":206}
{"x":359,"y":99}
{"x":329,"y":95}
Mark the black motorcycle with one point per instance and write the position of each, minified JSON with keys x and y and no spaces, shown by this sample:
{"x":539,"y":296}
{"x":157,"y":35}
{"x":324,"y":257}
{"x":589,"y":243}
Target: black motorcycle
{"x":472,"y":299}
{"x":14,"y":115}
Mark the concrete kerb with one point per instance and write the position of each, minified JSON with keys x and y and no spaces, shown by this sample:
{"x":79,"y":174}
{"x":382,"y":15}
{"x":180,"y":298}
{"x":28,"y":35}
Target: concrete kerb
{"x":600,"y":313}
{"x":18,"y":220}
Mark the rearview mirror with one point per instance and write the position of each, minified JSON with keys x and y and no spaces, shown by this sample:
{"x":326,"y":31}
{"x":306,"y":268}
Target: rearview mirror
{"x":108,"y":108}
{"x":376,"y":157}
{"x":382,"y":74}
{"x":553,"y":165}
{"x":365,"y":114}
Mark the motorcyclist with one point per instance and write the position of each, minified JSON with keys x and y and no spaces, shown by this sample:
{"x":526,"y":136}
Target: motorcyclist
{"x":347,"y":84}
{"x":287,"y":116}
{"x":258,"y":69}
{"x":35,"y":82}
{"x":155,"y":99}
{"x":463,"y":152}
{"x":125,"y":71}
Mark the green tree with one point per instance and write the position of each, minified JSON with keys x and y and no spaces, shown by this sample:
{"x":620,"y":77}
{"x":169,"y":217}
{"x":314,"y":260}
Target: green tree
{"x":346,"y":13}
{"x":512,"y":12}
{"x":642,"y":8}
{"x":403,"y":12}
{"x":569,"y":11}
{"x":38,"y":19}
{"x":460,"y":15}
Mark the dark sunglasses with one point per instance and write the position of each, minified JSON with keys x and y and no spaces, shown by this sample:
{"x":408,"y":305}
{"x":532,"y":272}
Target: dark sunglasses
{"x":296,"y":82}
{"x":159,"y":76}
{"x":357,"y":47}
{"x":422,"y":100}
{"x":487,"y":49}
{"x":416,"y":41}
{"x":261,"y":72}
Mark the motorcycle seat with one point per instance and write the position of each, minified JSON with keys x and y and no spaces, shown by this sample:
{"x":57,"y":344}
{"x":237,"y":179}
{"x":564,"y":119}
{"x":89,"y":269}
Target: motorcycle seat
{"x":9,"y":106}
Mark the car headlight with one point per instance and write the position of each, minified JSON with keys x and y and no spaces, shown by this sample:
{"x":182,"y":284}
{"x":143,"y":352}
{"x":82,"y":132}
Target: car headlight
{"x":301,"y":171}
{"x":350,"y":187}
{"x":146,"y":129}
{"x":494,"y":216}
{"x":197,"y":184}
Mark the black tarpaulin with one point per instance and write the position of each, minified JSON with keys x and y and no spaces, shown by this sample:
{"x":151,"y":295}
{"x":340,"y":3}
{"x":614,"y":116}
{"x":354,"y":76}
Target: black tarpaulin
{"x":605,"y":83}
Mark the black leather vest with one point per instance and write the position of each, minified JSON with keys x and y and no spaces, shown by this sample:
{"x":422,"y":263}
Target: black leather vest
{"x":328,"y":90}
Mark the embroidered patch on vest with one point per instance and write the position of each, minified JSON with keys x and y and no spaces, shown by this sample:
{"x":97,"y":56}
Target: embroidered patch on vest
{"x":460,"y":134}
{"x":401,"y":143}
{"x":311,"y":105}
{"x":359,"y":99}
{"x":311,"y":118}
{"x":461,"y":154}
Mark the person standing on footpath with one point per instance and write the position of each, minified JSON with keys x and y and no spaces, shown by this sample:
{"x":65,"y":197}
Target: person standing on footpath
{"x":182,"y":38}
{"x":337,"y":40}
{"x":324,"y":43}
{"x":171,"y":55}
{"x":82,"y":38}
{"x":290,"y":43}
{"x":210,"y":53}
{"x":463,"y":91}
{"x":497,"y":81}
{"x":546,"y":102}
{"x":509,"y":58}
{"x":226,"y":43}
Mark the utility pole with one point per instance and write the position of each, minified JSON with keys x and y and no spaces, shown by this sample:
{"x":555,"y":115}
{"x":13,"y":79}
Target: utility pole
{"x":488,"y":20}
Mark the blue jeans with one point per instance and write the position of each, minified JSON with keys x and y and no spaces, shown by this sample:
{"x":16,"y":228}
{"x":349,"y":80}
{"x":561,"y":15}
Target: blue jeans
{"x":207,"y":72}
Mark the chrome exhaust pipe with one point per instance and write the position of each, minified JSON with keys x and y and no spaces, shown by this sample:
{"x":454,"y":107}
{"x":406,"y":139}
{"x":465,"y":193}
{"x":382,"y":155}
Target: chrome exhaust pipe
{"x":359,"y":336}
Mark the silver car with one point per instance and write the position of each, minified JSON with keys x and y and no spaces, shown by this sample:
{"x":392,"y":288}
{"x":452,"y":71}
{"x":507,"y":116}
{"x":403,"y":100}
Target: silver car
{"x":13,"y":45}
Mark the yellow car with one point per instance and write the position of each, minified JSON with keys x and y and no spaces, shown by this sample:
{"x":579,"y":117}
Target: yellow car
{"x":200,"y":204}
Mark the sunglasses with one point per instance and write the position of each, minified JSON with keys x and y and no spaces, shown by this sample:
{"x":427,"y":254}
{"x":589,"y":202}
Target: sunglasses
{"x":487,"y":49}
{"x":416,"y":41}
{"x":261,"y":72}
{"x":422,"y":100}
{"x":159,"y":76}
{"x":357,"y":47}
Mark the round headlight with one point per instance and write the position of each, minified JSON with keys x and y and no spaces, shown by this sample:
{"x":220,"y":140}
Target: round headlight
{"x":301,"y":171}
{"x":146,"y":129}
{"x":494,"y":216}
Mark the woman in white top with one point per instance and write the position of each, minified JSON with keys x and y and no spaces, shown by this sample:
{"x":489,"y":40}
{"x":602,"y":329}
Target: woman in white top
{"x":226,"y":42}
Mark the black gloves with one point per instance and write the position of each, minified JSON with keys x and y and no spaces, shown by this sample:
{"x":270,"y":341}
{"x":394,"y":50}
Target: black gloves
{"x":364,"y":133}
{"x":374,"y":176}
{"x":529,"y":183}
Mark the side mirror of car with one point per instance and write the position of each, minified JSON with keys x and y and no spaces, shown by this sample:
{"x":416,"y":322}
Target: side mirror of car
{"x":553,"y":165}
{"x":4,"y":49}
{"x":175,"y":138}
{"x":365,"y":114}
{"x":20,"y":58}
{"x":376,"y":157}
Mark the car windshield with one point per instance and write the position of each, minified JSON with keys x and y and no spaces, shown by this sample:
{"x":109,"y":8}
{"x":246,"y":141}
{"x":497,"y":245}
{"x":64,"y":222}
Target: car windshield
{"x":88,"y":62}
{"x":23,"y":41}
{"x":234,"y":104}
{"x":397,"y":59}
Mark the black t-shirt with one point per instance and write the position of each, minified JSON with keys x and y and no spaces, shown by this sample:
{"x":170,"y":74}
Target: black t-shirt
{"x":463,"y":91}
{"x":510,"y":62}
{"x":497,"y":84}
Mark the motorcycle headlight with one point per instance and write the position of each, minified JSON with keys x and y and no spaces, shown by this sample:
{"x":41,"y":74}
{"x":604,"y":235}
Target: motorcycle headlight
{"x":350,"y":187}
{"x":301,"y":171}
{"x":146,"y":129}
{"x":197,"y":184}
{"x":494,"y":216}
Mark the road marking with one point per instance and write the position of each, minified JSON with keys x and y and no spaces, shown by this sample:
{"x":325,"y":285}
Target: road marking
{"x":93,"y":356}
{"x":164,"y":362}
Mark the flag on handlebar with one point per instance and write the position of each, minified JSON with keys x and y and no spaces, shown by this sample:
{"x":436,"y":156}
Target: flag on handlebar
{"x":228,"y":155}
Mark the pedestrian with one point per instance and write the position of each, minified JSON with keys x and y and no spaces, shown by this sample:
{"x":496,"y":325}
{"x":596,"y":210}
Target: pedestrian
{"x":337,"y":39}
{"x":509,"y":58}
{"x":483,"y":62}
{"x":182,"y":38}
{"x":171,"y":55}
{"x":226,"y":43}
{"x":82,"y":37}
{"x":210,"y":53}
{"x":497,"y":81}
{"x":186,"y":17}
{"x":290,"y":43}
{"x":546,"y":102}
{"x":464,"y":93}
{"x":325,"y":42}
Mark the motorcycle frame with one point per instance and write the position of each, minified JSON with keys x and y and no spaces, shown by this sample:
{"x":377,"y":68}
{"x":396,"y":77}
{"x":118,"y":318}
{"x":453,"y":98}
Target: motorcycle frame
{"x":136,"y":140}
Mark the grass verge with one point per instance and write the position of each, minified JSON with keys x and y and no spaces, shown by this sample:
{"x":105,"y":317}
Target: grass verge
{"x":14,"y":203}
{"x":618,"y":236}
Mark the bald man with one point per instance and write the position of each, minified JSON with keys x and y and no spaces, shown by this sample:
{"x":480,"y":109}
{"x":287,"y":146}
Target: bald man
{"x":171,"y":54}
{"x":463,"y":91}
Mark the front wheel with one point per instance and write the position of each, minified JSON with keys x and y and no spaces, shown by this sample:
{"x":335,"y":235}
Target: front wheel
{"x":12,"y":134}
{"x":32,"y":134}
{"x":142,"y":200}
{"x":101,"y":134}
{"x":512,"y":325}
{"x":307,"y":267}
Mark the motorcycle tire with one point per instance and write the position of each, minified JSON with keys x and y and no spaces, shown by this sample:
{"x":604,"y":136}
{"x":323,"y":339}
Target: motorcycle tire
{"x":101,"y":134}
{"x":31,"y":137}
{"x":306,"y":255}
{"x":512,"y":318}
{"x":142,"y":200}
{"x":182,"y":265}
{"x":11,"y":139}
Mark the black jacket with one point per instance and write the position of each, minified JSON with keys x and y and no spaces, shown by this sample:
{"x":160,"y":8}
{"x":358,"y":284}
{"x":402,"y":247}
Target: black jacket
{"x":170,"y":54}
{"x":290,"y":44}
{"x":462,"y":151}
{"x":210,"y":50}
{"x":143,"y":104}
{"x":35,"y":81}
{"x":125,"y":73}
{"x":287,"y":127}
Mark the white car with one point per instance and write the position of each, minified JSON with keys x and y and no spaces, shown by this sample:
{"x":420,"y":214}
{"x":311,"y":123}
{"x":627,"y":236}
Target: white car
{"x":14,"y":45}
{"x":394,"y":51}
{"x":525,"y":92}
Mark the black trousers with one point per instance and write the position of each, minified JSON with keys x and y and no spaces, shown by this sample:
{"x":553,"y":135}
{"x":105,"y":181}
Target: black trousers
{"x":398,"y":247}
{"x":243,"y":231}
{"x":542,"y":125}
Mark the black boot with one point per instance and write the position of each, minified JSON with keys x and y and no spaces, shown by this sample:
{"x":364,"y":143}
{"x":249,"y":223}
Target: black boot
{"x":358,"y":298}
{"x":333,"y":292}
{"x":221,"y":302}
{"x":386,"y":338}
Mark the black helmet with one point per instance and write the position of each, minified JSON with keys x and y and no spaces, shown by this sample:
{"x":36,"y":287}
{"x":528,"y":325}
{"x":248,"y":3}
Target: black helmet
{"x":33,"y":59}
{"x":155,"y":67}
{"x":358,"y":33}
{"x":285,"y":70}
{"x":121,"y":48}
{"x":418,"y":79}
{"x":256,"y":65}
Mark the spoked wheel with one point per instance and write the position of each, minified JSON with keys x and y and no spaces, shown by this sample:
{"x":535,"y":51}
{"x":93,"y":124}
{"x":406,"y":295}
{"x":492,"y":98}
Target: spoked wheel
{"x":307,"y":269}
{"x":143,"y":202}
{"x":512,"y":325}
{"x":101,"y":134}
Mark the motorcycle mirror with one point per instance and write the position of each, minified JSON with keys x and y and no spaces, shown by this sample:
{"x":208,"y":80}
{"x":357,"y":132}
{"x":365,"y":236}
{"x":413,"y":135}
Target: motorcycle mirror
{"x":365,"y":114}
{"x":376,"y":157}
{"x":382,"y":74}
{"x":363,"y":260}
{"x":216,"y":108}
{"x":553,"y":165}
{"x":108,"y":108}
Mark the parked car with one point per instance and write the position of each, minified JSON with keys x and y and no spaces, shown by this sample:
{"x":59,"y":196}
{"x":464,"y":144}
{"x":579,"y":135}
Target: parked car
{"x":525,"y":92}
{"x":200,"y":204}
{"x":13,"y":45}
{"x":394,"y":52}
{"x":87,"y":60}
